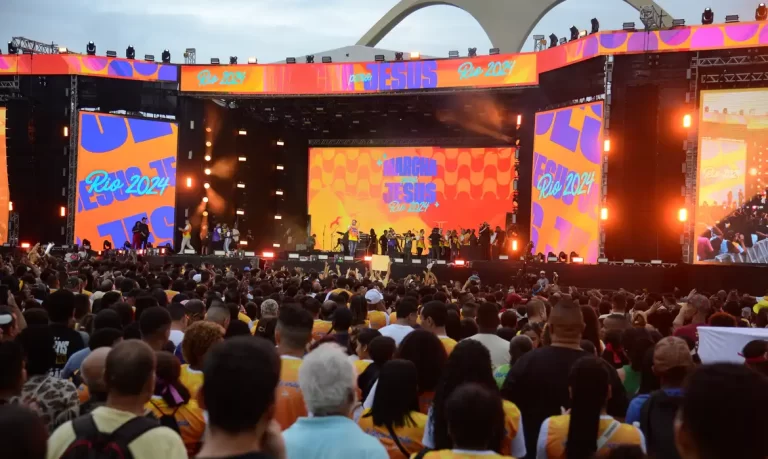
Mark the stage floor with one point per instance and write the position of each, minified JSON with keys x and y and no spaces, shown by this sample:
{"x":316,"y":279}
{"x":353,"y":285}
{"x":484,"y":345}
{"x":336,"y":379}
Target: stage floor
{"x":705,"y":278}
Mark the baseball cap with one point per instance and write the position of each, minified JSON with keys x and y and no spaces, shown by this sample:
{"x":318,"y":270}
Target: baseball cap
{"x":6,"y":317}
{"x":671,"y":352}
{"x":373,"y":296}
{"x":197,"y":278}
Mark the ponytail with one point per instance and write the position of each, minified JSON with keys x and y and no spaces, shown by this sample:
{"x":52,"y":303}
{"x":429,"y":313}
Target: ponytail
{"x":588,"y":382}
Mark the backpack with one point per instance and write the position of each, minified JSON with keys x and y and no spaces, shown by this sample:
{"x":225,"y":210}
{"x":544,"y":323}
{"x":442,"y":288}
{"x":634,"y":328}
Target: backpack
{"x":657,"y":418}
{"x":167,"y":420}
{"x":90,"y":443}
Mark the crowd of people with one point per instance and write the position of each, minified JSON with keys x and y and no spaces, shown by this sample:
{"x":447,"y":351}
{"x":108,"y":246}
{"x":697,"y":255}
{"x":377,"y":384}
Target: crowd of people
{"x":117,"y":358}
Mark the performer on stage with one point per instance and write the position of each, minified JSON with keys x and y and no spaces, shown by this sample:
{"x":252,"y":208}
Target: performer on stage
{"x":408,"y":246}
{"x":227,"y":237}
{"x":144,"y":233}
{"x":136,"y":230}
{"x":420,"y":243}
{"x":373,"y":241}
{"x":236,"y":238}
{"x":216,"y":237}
{"x":485,"y":241}
{"x":186,"y":237}
{"x":354,"y":236}
{"x":205,"y":238}
{"x":383,"y":242}
{"x":311,"y":241}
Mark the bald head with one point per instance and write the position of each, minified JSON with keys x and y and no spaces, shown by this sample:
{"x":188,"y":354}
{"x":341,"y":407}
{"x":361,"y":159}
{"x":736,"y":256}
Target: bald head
{"x":130,"y":369}
{"x":566,"y":322}
{"x":92,"y":369}
{"x":218,"y":315}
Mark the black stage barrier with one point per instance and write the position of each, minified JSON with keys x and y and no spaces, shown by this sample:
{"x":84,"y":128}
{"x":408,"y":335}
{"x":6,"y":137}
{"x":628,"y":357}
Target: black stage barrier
{"x":710,"y":278}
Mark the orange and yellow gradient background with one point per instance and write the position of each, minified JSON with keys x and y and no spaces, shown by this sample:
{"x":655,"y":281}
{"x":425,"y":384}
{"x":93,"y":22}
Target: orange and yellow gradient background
{"x":4,"y":192}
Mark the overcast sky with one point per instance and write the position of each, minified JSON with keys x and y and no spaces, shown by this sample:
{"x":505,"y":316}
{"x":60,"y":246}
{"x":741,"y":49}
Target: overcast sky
{"x":274,"y":29}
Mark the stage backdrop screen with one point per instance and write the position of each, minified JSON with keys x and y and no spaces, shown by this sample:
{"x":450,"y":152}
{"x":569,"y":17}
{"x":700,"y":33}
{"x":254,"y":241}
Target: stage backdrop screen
{"x":730,"y":218}
{"x":408,"y":188}
{"x":4,"y":192}
{"x":126,"y":170}
{"x":567,"y":177}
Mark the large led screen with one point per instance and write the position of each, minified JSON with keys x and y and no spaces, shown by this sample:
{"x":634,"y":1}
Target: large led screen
{"x":567,"y":177}
{"x":126,"y":170}
{"x":408,"y":188}
{"x":730,"y":219}
{"x":4,"y":192}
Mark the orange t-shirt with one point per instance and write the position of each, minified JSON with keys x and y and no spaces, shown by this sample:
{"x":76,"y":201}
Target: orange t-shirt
{"x":409,"y":435}
{"x":320,"y":328}
{"x":378,"y":319}
{"x":554,"y":432}
{"x":448,"y":344}
{"x":192,"y":379}
{"x":189,"y":417}
{"x":290,"y":403}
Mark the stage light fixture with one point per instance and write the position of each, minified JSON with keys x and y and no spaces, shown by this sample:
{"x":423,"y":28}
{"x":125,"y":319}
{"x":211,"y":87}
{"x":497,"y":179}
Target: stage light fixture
{"x":583,"y":33}
{"x":494,"y":51}
{"x":574,"y":33}
{"x":166,"y":56}
{"x":12,"y":49}
{"x":278,"y":217}
{"x":208,"y":143}
{"x":241,"y":185}
{"x":90,"y":49}
{"x":240,"y":212}
{"x":595,"y":25}
{"x":459,"y":262}
{"x":268,"y":254}
{"x":367,"y":258}
{"x":708,"y":16}
{"x":252,"y":60}
{"x":551,"y":257}
{"x":189,"y":182}
{"x":207,"y":171}
{"x":205,"y":198}
{"x":415,"y":55}
{"x":607,"y":145}
{"x":130,"y":53}
{"x":327,"y":60}
{"x":472,"y":52}
{"x":112,"y":54}
{"x":310,"y":59}
{"x":232,"y":60}
{"x":290,"y":60}
{"x":577,"y":260}
{"x":242,"y":159}
{"x":604,"y":213}
{"x":552,"y":40}
{"x":519,"y":120}
{"x":62,"y":211}
{"x":280,"y":143}
{"x":63,"y":50}
{"x":10,"y":206}
{"x":206,"y":185}
{"x":205,"y":213}
{"x":761,"y":12}
{"x":25,"y":245}
{"x":66,"y":131}
{"x":687,"y":121}
{"x":242,"y":132}
{"x":207,"y":157}
{"x":731,"y":18}
{"x":280,"y":167}
{"x":453,"y":54}
{"x":380,"y":58}
{"x":398,"y":55}
{"x":279,"y":192}
{"x":682,"y":214}
{"x":149,"y":57}
{"x":207,"y":129}
{"x":752,"y":171}
{"x":628,"y":27}
{"x":215,"y":61}
{"x":563,"y":40}
{"x":678,"y":23}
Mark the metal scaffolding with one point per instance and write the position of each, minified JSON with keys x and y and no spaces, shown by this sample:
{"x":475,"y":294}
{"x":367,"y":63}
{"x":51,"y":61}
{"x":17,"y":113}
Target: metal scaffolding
{"x":691,"y":147}
{"x":33,"y":46}
{"x":72,"y":166}
{"x":608,"y":85}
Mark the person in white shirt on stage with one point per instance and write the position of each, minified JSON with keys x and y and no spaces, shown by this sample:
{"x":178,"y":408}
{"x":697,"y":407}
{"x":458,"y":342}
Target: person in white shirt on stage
{"x":186,"y":237}
{"x":236,"y":238}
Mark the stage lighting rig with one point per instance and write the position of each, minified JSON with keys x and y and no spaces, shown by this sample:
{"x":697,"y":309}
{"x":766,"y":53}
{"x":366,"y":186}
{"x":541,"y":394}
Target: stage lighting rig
{"x":399,"y":56}
{"x":310,"y":59}
{"x":12,"y":49}
{"x":707,"y":17}
{"x":552,"y":40}
{"x":166,"y":57}
{"x":574,"y":33}
{"x":130,"y":53}
{"x":595,"y":25}
{"x":232,"y":60}
{"x":90,"y":49}
{"x":761,"y":13}
{"x":472,"y":52}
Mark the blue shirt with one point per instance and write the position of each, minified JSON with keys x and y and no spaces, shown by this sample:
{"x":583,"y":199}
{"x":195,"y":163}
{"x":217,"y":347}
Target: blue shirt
{"x":74,"y":362}
{"x":330,"y":437}
{"x":636,"y":405}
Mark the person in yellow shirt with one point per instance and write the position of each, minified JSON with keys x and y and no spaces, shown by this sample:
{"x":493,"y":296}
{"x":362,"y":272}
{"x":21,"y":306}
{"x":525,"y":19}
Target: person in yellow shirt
{"x":320,"y":328}
{"x":268,"y":310}
{"x":433,"y":317}
{"x":395,"y":418}
{"x":173,"y":400}
{"x":587,"y":431}
{"x":198,"y":339}
{"x":377,"y":311}
{"x":354,"y":236}
{"x":364,"y":338}
{"x":292,"y":335}
{"x":475,"y":419}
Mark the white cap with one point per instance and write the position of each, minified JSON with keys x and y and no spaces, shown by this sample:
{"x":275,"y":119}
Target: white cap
{"x":197,"y":278}
{"x":373,"y":296}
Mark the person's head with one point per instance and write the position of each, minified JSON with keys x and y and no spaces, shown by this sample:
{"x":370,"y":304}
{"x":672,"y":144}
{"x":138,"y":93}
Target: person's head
{"x":590,"y":389}
{"x":179,"y":315}
{"x":129,"y":371}
{"x":364,"y":339}
{"x":341,"y":321}
{"x":269,"y":308}
{"x":22,"y":432}
{"x":219,"y":314}
{"x":37,"y":342}
{"x":620,"y":303}
{"x":426,"y":351}
{"x":155,"y":326}
{"x":487,"y":318}
{"x":82,"y":305}
{"x":699,"y":308}
{"x":518,"y":347}
{"x":397,"y":394}
{"x":198,"y":339}
{"x":167,"y":385}
{"x":533,"y":331}
{"x":535,"y":310}
{"x":468,"y":328}
{"x":722,"y":319}
{"x":407,"y":310}
{"x":672,"y":361}
{"x":382,"y":349}
{"x":591,"y":325}
{"x":92,"y":370}
{"x":328,"y":381}
{"x":60,"y":306}
{"x":433,"y":316}
{"x":294,"y":328}
{"x":509,"y":319}
{"x":475,"y":418}
{"x":615,"y":322}
{"x":13,"y":374}
{"x":470,"y":362}
{"x":240,"y":376}
{"x":702,"y":433}
{"x":755,"y":355}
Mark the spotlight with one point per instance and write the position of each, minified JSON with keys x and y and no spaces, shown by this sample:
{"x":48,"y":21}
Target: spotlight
{"x":149,"y":57}
{"x":12,"y":49}
{"x":205,"y":213}
{"x":472,"y":52}
{"x":707,"y":17}
{"x":278,"y":217}
{"x":458,"y":262}
{"x":583,"y":33}
{"x":687,"y":121}
{"x":551,"y":257}
{"x":574,"y":33}
{"x":208,"y":129}
{"x":206,"y":185}
{"x":595,"y":25}
{"x":381,"y":57}
{"x":205,"y":199}
{"x":130,"y":53}
{"x":399,"y":56}
{"x":310,"y":59}
{"x":761,"y":13}
{"x":241,"y":185}
{"x":628,"y":27}
{"x":604,"y":213}
{"x":607,"y":145}
{"x":242,"y":132}
{"x":280,"y":167}
{"x":268,"y":254}
{"x":252,"y":60}
{"x":277,"y":192}
{"x":730,"y":18}
{"x":494,"y":51}
{"x":66,"y":131}
{"x":63,"y":50}
{"x":290,"y":60}
{"x":280,"y":143}
{"x":575,"y":255}
{"x":240,"y":212}
{"x":242,"y":159}
{"x":682,"y":214}
{"x":232,"y":60}
{"x":112,"y":54}
{"x":215,"y":61}
{"x":207,"y":171}
{"x":208,"y":143}
{"x":327,"y":59}
{"x":415,"y":55}
{"x":453,"y":54}
{"x":189,"y":182}
{"x":62,"y":211}
{"x":207,"y":157}
{"x":552,"y":40}
{"x":678,"y":23}
{"x":90,"y":49}
{"x":10,"y":206}
{"x":166,"y":57}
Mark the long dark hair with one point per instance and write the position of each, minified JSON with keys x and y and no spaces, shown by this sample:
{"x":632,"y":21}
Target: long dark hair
{"x":167,"y":372}
{"x":426,"y":351}
{"x":591,"y":326}
{"x":470,"y":362}
{"x":359,"y":308}
{"x":589,"y":382}
{"x":397,"y":395}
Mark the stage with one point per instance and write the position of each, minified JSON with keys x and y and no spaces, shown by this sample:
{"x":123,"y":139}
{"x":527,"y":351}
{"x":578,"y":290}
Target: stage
{"x":748,"y":279}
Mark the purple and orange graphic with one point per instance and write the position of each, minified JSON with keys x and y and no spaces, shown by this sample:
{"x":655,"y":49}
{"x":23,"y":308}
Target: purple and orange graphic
{"x":567,"y":180}
{"x":76,"y":64}
{"x":409,"y":188}
{"x":722,"y":170}
{"x":4,"y":191}
{"x":126,"y":170}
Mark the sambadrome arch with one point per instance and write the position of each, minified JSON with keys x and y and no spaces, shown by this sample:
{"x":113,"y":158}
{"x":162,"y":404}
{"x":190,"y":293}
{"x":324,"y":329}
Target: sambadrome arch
{"x":508,"y":23}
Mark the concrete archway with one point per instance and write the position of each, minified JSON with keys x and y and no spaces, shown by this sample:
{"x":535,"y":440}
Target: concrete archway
{"x":508,"y":23}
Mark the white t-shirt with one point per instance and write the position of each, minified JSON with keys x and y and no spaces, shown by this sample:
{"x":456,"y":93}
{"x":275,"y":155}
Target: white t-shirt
{"x":176,"y":337}
{"x":498,"y":347}
{"x":397,"y":332}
